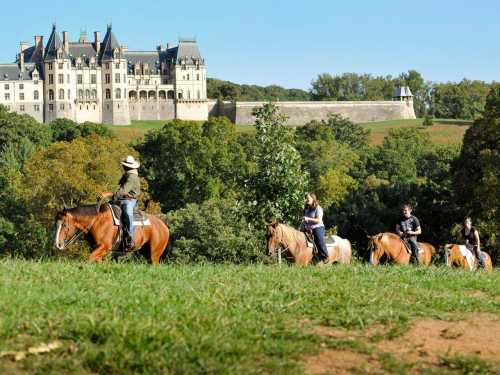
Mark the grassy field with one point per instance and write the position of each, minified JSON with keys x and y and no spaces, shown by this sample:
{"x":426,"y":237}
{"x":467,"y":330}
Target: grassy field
{"x":443,"y":131}
{"x":117,"y":318}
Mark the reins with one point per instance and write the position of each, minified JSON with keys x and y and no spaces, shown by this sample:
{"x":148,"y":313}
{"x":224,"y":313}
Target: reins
{"x":80,"y":232}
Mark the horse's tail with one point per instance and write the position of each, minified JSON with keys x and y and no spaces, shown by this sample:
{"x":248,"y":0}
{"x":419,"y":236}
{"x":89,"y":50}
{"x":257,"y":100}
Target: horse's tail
{"x":447,"y":250}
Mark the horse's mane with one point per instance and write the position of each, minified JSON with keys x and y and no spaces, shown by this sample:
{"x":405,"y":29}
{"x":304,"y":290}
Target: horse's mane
{"x":291,"y":232}
{"x":86,"y":210}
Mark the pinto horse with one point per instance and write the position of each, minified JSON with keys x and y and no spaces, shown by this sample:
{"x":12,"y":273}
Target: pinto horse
{"x":97,"y":221}
{"x":392,"y":247}
{"x":455,"y":258}
{"x":295,"y":243}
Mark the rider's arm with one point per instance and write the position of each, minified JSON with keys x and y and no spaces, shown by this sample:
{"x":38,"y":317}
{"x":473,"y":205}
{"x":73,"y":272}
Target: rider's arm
{"x":476,"y":234}
{"x":415,"y":232}
{"x":315,"y":220}
{"x":106,"y":194}
{"x":398,"y":230}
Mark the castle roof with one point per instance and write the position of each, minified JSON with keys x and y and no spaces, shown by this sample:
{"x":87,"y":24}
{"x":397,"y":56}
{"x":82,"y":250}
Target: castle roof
{"x":152,"y":58}
{"x":12,"y":72}
{"x":187,"y":51}
{"x":53,"y":45}
{"x":403,"y":91}
{"x":109,"y":44}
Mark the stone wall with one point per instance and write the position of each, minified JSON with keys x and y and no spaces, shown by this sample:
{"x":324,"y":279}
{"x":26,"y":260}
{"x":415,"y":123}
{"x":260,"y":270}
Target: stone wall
{"x":300,"y":113}
{"x":152,"y":110}
{"x":192,"y":110}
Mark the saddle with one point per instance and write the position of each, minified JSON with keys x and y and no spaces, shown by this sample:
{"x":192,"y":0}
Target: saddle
{"x":329,"y":241}
{"x":122,"y":241}
{"x":140,"y":217}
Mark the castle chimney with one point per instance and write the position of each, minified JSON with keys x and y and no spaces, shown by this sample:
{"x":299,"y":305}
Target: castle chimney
{"x":38,"y":47}
{"x":24,"y":46}
{"x":124,"y":47}
{"x":66,"y":41}
{"x":21,"y":61}
{"x":97,"y":41}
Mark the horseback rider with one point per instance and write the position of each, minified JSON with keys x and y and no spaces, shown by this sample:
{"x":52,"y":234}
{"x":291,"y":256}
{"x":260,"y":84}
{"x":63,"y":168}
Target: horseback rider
{"x":126,"y":196}
{"x":470,"y":238}
{"x":313,"y":221}
{"x":408,"y":228}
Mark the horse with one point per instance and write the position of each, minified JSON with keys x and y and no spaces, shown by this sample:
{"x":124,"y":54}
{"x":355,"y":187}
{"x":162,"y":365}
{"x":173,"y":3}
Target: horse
{"x":295,"y":243}
{"x":455,"y":257}
{"x":97,"y":221}
{"x":392,"y":246}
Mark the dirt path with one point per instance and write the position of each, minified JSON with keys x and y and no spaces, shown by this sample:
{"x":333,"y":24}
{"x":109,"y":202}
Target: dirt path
{"x":471,"y":342}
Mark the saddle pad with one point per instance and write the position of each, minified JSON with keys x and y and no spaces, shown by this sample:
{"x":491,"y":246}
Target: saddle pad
{"x":138,"y":217}
{"x":468,"y":255}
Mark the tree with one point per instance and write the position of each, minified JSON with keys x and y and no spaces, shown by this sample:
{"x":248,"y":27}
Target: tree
{"x":190,"y":162}
{"x":476,"y":172}
{"x":276,"y":188}
{"x":67,"y":130}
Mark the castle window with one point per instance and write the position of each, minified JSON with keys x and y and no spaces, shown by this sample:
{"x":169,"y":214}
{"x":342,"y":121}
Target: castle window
{"x":107,"y":65}
{"x":198,"y":94}
{"x":50,"y":66}
{"x":35,"y":81}
{"x":180,"y":95}
{"x":21,"y":108}
{"x":51,"y":107}
{"x":36,"y":95}
{"x":61,"y":94}
{"x":108,"y":94}
{"x":69,"y":95}
{"x":67,"y":79}
{"x":189,"y":94}
{"x":61,"y":65}
{"x":94,"y":94}
{"x":117,"y":78}
{"x":51,"y":79}
{"x":118,"y":94}
{"x":36,"y":107}
{"x":197,"y":77}
{"x":187,"y":77}
{"x":51,"y":94}
{"x":79,"y":79}
{"x":7,"y":96}
{"x":92,"y":66}
{"x":60,"y":78}
{"x":59,"y":55}
{"x":93,"y":78}
{"x":21,"y":96}
{"x":80,"y":95}
{"x":117,"y":65}
{"x":79,"y":66}
{"x":108,"y":78}
{"x":6,"y":86}
{"x":21,"y":86}
{"x":87,"y":94}
{"x":61,"y":106}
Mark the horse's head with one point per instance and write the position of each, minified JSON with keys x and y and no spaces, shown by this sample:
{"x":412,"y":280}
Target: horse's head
{"x":272,"y":239}
{"x":375,"y":248}
{"x":65,"y":229}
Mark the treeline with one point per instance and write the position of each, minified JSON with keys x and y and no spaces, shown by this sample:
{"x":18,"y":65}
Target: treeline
{"x":462,"y":100}
{"x":216,"y":187}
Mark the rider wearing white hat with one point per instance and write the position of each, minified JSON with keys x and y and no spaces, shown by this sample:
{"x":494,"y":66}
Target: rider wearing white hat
{"x":127,"y":193}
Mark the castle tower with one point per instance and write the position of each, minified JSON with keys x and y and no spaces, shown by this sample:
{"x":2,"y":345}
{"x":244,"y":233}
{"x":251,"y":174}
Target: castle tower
{"x":115,"y":107}
{"x":57,"y":83}
{"x":190,"y":82}
{"x":403,"y":94}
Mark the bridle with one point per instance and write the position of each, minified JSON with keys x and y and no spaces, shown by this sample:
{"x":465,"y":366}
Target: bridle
{"x":79,"y":232}
{"x":281,"y":247}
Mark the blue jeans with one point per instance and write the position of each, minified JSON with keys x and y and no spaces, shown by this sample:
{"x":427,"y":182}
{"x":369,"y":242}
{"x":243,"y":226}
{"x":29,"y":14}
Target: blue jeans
{"x":319,"y":240}
{"x":127,"y":206}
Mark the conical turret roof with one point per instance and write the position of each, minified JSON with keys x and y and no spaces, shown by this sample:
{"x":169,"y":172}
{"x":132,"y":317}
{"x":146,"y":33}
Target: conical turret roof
{"x":53,"y":45}
{"x":109,"y":44}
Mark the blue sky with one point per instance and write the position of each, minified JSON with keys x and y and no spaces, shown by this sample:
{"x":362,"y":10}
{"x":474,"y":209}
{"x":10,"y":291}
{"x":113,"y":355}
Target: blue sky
{"x":287,"y":42}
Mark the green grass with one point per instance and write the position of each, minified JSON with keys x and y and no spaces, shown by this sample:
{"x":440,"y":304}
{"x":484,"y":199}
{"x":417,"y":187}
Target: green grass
{"x":117,"y":318}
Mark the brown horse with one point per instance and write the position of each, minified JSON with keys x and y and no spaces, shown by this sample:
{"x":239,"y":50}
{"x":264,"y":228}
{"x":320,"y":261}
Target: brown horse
{"x":97,"y":221}
{"x":391,"y":245}
{"x":295,"y":243}
{"x":464,"y":258}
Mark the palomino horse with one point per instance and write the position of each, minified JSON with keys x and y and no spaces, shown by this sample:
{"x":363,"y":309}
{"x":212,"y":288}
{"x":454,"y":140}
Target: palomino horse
{"x":295,"y":242}
{"x":97,"y":221}
{"x":455,"y":257}
{"x":392,"y":247}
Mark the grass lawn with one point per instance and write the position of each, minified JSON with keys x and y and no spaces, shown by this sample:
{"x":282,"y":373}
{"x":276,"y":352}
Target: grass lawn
{"x":123,"y":318}
{"x":443,"y":131}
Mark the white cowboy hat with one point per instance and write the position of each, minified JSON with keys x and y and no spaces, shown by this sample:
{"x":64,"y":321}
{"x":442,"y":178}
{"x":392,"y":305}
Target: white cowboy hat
{"x":130,"y":162}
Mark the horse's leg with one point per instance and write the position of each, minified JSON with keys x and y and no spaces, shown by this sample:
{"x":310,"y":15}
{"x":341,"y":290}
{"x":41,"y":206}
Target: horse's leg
{"x":98,"y":253}
{"x":158,"y":241}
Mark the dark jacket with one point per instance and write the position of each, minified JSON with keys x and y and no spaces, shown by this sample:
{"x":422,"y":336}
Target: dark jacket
{"x":130,"y":186}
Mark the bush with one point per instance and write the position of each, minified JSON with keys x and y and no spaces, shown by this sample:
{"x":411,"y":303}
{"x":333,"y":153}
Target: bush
{"x":67,"y":130}
{"x":215,"y":231}
{"x":428,"y":120}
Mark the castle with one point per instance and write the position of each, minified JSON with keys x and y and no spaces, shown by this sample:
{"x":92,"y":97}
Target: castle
{"x":104,"y":82}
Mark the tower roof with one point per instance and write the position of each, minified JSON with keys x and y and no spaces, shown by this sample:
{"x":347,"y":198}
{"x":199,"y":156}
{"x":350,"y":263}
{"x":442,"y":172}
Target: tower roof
{"x":188,"y":51}
{"x":403,"y":91}
{"x":109,"y":44}
{"x":53,"y":45}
